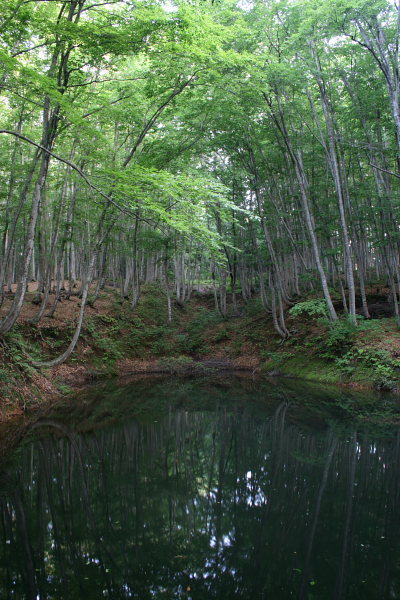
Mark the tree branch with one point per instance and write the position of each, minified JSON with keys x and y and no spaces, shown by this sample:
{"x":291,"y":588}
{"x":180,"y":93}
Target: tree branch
{"x":384,"y":170}
{"x":66,"y":162}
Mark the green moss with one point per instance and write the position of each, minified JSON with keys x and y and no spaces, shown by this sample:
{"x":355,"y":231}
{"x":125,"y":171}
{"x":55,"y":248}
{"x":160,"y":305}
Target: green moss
{"x":369,"y":370}
{"x":310,"y":369}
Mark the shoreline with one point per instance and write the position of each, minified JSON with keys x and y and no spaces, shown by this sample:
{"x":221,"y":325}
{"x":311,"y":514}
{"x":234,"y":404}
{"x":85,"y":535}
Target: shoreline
{"x":88,"y":379}
{"x":118,"y":342}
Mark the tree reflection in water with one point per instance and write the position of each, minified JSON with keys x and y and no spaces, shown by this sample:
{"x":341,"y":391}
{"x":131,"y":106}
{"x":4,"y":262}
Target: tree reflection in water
{"x":225,"y":502}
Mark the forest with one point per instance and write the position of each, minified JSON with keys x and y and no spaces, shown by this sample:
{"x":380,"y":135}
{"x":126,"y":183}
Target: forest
{"x":244,"y":148}
{"x":200,"y":203}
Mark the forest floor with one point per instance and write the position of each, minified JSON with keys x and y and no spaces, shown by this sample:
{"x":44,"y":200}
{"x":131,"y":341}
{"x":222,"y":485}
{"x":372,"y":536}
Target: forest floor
{"x":119,"y":341}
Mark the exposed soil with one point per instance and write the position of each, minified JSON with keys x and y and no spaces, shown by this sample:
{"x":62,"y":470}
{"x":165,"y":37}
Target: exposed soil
{"x":65,"y":314}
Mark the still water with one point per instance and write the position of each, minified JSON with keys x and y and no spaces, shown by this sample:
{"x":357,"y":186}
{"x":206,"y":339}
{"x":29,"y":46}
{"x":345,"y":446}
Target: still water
{"x":202,"y":489}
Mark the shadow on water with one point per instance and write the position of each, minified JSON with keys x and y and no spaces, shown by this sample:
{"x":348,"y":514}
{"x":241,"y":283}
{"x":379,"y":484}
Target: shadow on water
{"x":214,"y":488}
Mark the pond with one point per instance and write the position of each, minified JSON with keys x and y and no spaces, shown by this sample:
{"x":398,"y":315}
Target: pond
{"x":197,"y":489}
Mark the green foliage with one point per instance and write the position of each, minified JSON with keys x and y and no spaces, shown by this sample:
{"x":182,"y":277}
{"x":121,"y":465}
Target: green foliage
{"x":179,"y":365}
{"x":341,"y":334}
{"x":221,"y":335}
{"x":194,"y":340}
{"x":6,"y":376}
{"x":64,"y":388}
{"x":339,"y":337}
{"x":15,"y":366}
{"x":152,"y":307}
{"x":276,"y":358}
{"x":160,"y":341}
{"x":310,"y":308}
{"x":253,"y":307}
{"x":107,"y":345}
{"x":18,"y":351}
{"x":378,"y":363}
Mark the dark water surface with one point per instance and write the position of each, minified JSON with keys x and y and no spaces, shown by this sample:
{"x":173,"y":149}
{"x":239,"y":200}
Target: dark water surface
{"x":202,"y":489}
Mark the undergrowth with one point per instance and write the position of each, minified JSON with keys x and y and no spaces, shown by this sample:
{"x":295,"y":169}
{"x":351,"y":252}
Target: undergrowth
{"x":344,"y":346}
{"x":15,"y":364}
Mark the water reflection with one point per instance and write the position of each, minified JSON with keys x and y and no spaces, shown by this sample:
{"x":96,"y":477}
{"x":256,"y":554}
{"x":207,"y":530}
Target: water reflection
{"x":224,"y":502}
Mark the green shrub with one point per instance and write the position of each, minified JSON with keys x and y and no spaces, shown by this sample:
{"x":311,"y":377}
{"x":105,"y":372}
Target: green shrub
{"x":378,"y":362}
{"x":194,"y":339}
{"x":275,"y":359}
{"x":340,"y":336}
{"x":221,"y":336}
{"x":176,"y":364}
{"x":310,"y":308}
